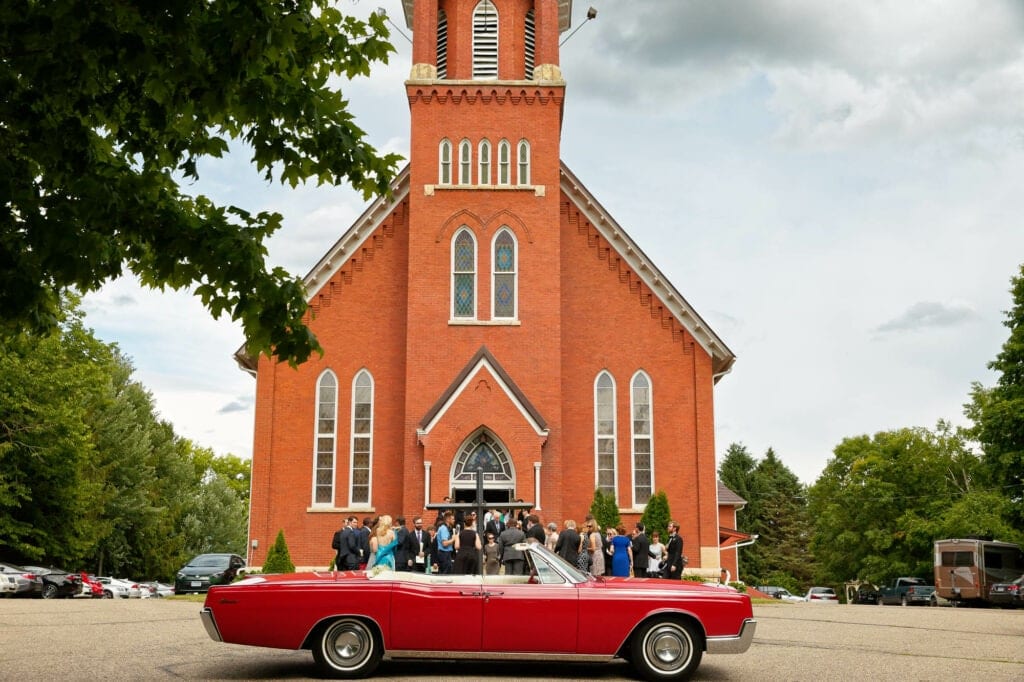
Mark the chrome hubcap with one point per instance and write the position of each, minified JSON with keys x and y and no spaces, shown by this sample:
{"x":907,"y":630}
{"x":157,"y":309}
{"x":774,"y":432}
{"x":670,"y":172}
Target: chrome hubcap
{"x":667,"y":648}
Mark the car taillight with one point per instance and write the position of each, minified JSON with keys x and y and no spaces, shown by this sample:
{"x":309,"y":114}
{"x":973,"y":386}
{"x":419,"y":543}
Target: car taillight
{"x":1013,"y":588}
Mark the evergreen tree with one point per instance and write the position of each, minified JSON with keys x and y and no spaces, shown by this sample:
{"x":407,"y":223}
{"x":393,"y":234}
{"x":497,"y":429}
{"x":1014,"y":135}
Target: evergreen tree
{"x":657,"y":514}
{"x":998,"y":412}
{"x":605,"y":510}
{"x":278,"y":559}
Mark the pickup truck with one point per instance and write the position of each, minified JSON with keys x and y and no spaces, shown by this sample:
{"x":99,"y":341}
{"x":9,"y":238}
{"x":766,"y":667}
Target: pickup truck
{"x":907,"y":591}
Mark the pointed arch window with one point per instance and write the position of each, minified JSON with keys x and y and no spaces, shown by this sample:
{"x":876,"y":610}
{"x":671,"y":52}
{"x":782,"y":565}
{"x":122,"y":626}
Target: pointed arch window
{"x":505,"y":281}
{"x":484,"y":163}
{"x":464,"y":274}
{"x":643,"y":440}
{"x":604,"y":433}
{"x":362,"y":437}
{"x":465,"y":163}
{"x":442,"y":44}
{"x":485,"y":41}
{"x":529,"y":43}
{"x":523,"y":157}
{"x":444,"y":162}
{"x":483,"y":451}
{"x":326,"y":438}
{"x":504,"y":162}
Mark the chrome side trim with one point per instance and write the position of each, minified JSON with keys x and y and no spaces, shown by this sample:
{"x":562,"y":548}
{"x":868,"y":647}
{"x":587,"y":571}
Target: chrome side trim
{"x":206,"y":615}
{"x":497,"y":655}
{"x":733,"y":644}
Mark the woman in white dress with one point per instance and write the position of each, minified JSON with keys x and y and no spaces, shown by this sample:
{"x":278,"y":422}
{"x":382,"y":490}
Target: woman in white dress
{"x":656,"y":554}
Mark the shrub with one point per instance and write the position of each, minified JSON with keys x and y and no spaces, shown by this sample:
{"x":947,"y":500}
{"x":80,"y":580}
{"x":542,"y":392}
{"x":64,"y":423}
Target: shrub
{"x":278,"y":559}
{"x":605,"y":510}
{"x":657,"y":515}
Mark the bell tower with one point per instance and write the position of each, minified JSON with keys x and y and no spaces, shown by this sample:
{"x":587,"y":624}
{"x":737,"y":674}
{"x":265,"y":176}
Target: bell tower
{"x":486,"y":101}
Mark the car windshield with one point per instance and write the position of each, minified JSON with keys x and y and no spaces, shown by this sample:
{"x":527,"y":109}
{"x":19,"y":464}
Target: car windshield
{"x":205,"y":560}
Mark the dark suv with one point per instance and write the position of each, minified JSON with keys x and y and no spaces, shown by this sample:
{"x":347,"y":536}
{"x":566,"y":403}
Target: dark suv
{"x":205,"y":570}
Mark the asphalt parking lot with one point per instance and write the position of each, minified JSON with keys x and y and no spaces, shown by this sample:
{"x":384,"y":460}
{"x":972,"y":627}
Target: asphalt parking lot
{"x":160,"y":639}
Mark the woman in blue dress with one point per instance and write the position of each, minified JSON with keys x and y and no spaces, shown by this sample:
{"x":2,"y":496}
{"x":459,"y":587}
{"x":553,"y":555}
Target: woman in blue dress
{"x":386,"y":541}
{"x":622,"y":553}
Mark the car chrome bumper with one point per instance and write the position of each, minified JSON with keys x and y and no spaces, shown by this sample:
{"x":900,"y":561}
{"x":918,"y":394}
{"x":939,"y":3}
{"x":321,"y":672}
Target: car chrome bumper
{"x":736,"y":644}
{"x":206,"y":615}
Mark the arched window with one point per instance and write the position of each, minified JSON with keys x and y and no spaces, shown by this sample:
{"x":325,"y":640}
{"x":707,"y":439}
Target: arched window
{"x":442,"y":44}
{"x":504,"y":284}
{"x":326,"y":434}
{"x":484,"y":163}
{"x":604,"y":433}
{"x":444,"y":162}
{"x":465,"y":163}
{"x":362,"y":437}
{"x":464,"y":274}
{"x":643,"y":444}
{"x":483,"y":451}
{"x":529,"y":43}
{"x":485,"y":40}
{"x":504,"y":155}
{"x":523,"y":157}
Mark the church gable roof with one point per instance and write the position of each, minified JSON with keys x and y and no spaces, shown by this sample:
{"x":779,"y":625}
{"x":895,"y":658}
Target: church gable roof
{"x":634,"y":257}
{"x":483,"y":359}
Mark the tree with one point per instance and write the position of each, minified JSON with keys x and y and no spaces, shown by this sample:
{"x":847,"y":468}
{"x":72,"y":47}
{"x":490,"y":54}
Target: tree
{"x":605,"y":510}
{"x":998,"y":412}
{"x":278,"y":559}
{"x":106,"y":106}
{"x":657,"y":514}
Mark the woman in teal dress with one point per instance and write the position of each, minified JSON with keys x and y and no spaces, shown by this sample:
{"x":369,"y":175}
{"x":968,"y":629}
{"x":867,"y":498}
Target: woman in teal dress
{"x":386,"y":542}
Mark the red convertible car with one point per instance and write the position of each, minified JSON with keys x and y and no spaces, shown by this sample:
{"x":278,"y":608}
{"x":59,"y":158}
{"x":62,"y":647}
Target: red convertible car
{"x":352,"y":619}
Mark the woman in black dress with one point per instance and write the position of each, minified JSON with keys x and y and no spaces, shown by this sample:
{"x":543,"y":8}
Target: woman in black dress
{"x":467,"y":549}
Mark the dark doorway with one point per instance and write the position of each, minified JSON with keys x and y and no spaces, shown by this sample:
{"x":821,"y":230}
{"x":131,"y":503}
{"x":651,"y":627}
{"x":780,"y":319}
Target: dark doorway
{"x":490,"y":496}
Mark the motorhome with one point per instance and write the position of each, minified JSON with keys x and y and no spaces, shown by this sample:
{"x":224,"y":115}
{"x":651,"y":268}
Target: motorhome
{"x":965,"y":569}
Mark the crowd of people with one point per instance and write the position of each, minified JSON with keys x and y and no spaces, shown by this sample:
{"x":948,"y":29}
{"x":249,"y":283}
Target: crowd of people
{"x":453,"y":544}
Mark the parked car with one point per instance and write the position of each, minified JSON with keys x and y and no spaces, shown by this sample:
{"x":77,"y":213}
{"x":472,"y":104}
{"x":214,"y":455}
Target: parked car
{"x":821,"y":595}
{"x":28,"y":583}
{"x":91,"y":587}
{"x":206,"y":570}
{"x":770,"y":590}
{"x":8,"y":585}
{"x":865,"y":594}
{"x":786,"y":595}
{"x":158,"y":589}
{"x":1009,"y":594}
{"x":113,"y":588}
{"x":663,"y":627}
{"x":57,"y":583}
{"x":907,"y":591}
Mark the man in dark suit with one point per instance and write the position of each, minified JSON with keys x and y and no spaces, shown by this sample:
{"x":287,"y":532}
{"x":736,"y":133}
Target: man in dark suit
{"x":568,"y":544}
{"x":535,"y":531}
{"x":511,"y":558}
{"x":495,"y":526}
{"x":641,"y":550}
{"x":673,"y":569}
{"x":419,"y":545}
{"x":348,"y":550}
{"x":403,"y":558}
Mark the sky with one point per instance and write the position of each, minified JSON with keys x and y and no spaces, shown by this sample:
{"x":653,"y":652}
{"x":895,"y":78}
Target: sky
{"x":837,"y":189}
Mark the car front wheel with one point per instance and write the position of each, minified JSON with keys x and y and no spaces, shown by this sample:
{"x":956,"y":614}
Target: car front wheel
{"x":346,"y":649}
{"x":666,"y":650}
{"x":49,"y":591}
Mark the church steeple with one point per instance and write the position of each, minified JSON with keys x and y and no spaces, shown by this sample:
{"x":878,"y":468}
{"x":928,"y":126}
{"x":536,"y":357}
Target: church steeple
{"x":505,"y":40}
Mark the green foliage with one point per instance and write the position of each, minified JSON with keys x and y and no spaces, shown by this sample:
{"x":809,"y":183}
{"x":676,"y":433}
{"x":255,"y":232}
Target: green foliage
{"x":278,"y":559}
{"x":883,"y":500}
{"x":657,"y":514}
{"x":775,"y":511}
{"x":998,"y":412}
{"x":605,"y":510}
{"x":80,"y":442}
{"x":106,"y":106}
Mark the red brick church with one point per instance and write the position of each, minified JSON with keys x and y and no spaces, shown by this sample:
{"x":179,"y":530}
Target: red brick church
{"x":490,"y":313}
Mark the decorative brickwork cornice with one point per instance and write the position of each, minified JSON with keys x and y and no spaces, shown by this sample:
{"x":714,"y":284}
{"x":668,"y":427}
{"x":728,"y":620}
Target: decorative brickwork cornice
{"x":485,"y":92}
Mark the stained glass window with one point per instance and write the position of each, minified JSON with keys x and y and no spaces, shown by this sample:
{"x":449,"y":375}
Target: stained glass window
{"x":465,"y":163}
{"x":604,"y":432}
{"x":362,"y":436}
{"x":484,"y":171}
{"x":504,"y":162}
{"x":444,"y":160}
{"x":483,"y":451}
{"x":323,"y":458}
{"x":464,"y":275}
{"x":643,"y":446}
{"x":504,"y":274}
{"x":523,"y":154}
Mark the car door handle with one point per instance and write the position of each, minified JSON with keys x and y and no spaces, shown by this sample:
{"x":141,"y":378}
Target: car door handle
{"x":493,"y":594}
{"x":471,"y":594}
